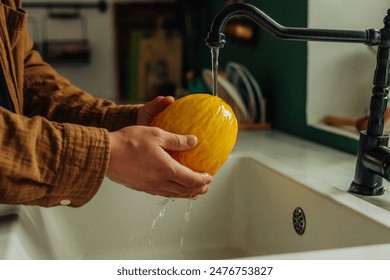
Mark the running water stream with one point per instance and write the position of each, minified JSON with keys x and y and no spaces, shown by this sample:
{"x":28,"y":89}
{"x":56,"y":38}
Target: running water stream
{"x":214,"y":69}
{"x":163,"y":204}
{"x":186,"y":221}
{"x":161,"y":213}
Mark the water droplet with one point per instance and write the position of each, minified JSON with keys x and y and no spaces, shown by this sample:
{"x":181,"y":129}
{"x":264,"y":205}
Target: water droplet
{"x":161,"y":213}
{"x":187,"y":214}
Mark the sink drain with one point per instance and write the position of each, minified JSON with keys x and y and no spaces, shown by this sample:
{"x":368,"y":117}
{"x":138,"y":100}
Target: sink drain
{"x":299,"y":221}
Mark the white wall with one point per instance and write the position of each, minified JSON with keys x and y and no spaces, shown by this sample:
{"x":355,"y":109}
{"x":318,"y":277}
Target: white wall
{"x":340,"y":76}
{"x":98,"y":77}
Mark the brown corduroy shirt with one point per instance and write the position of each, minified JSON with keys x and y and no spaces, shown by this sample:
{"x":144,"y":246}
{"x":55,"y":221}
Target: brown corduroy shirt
{"x":54,"y":149}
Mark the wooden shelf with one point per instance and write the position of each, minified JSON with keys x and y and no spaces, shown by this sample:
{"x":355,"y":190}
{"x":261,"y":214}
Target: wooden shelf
{"x":254,"y":126}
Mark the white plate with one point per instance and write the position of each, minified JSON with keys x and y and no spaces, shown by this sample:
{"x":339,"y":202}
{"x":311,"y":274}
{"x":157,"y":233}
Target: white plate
{"x":258,"y":94}
{"x":240,"y":81}
{"x":229,"y":93}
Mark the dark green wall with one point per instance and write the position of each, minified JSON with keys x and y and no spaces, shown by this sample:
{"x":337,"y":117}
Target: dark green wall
{"x":279,"y":66}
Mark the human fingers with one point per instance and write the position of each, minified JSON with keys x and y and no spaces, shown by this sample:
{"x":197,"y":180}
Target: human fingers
{"x":188,"y":178}
{"x":158,"y":104}
{"x":151,"y":109}
{"x":183,"y":175}
{"x":162,"y":103}
{"x":175,"y":190}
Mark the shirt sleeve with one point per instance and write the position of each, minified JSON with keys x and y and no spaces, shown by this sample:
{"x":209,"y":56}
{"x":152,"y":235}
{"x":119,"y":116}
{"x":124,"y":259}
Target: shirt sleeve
{"x":47,"y":163}
{"x":57,"y":152}
{"x":48,"y":94}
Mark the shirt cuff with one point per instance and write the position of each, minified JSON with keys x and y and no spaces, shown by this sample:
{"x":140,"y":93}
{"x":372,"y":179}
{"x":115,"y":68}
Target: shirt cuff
{"x":120,"y":116}
{"x":84,"y":161}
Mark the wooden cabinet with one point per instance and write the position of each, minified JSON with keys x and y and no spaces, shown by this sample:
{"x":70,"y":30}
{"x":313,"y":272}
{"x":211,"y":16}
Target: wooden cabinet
{"x":156,"y":43}
{"x":149,"y":49}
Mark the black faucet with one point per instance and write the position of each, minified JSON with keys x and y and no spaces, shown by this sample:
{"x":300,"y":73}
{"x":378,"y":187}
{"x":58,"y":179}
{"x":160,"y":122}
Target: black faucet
{"x":373,"y":158}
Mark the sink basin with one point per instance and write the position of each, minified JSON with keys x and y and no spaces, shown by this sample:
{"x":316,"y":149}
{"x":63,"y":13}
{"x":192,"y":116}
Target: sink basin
{"x":248,"y":212}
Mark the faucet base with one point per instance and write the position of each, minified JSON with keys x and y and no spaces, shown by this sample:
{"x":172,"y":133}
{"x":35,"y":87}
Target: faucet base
{"x":371,"y":165}
{"x":361,"y":190}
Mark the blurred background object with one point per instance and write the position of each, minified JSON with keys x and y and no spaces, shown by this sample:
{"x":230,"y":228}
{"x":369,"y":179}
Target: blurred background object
{"x":60,"y":48}
{"x":240,"y":30}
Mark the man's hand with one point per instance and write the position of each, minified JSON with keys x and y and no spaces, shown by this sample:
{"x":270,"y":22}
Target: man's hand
{"x":139,"y":160}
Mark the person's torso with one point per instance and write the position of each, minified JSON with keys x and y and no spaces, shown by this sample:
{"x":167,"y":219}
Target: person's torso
{"x":13,"y":24}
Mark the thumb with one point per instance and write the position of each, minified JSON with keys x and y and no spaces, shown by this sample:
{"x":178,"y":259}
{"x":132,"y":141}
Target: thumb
{"x":177,"y":142}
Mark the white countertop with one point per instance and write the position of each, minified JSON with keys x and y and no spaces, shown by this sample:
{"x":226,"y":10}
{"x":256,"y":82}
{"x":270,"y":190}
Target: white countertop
{"x":321,"y":163}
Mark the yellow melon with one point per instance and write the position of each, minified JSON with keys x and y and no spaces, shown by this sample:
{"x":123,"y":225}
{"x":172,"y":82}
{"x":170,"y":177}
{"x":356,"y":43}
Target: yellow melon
{"x":211,"y":120}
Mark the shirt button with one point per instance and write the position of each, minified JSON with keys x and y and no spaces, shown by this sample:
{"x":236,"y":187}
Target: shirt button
{"x":65,"y":202}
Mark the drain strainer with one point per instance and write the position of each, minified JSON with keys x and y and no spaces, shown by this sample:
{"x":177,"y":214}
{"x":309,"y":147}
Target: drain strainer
{"x":299,"y":221}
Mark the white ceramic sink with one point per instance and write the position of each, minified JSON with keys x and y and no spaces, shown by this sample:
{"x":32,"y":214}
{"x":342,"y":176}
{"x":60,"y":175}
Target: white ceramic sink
{"x":248,"y":212}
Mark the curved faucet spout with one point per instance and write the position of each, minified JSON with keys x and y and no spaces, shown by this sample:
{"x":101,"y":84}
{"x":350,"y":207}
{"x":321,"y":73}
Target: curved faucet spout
{"x":373,"y":160}
{"x":216,"y":37}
